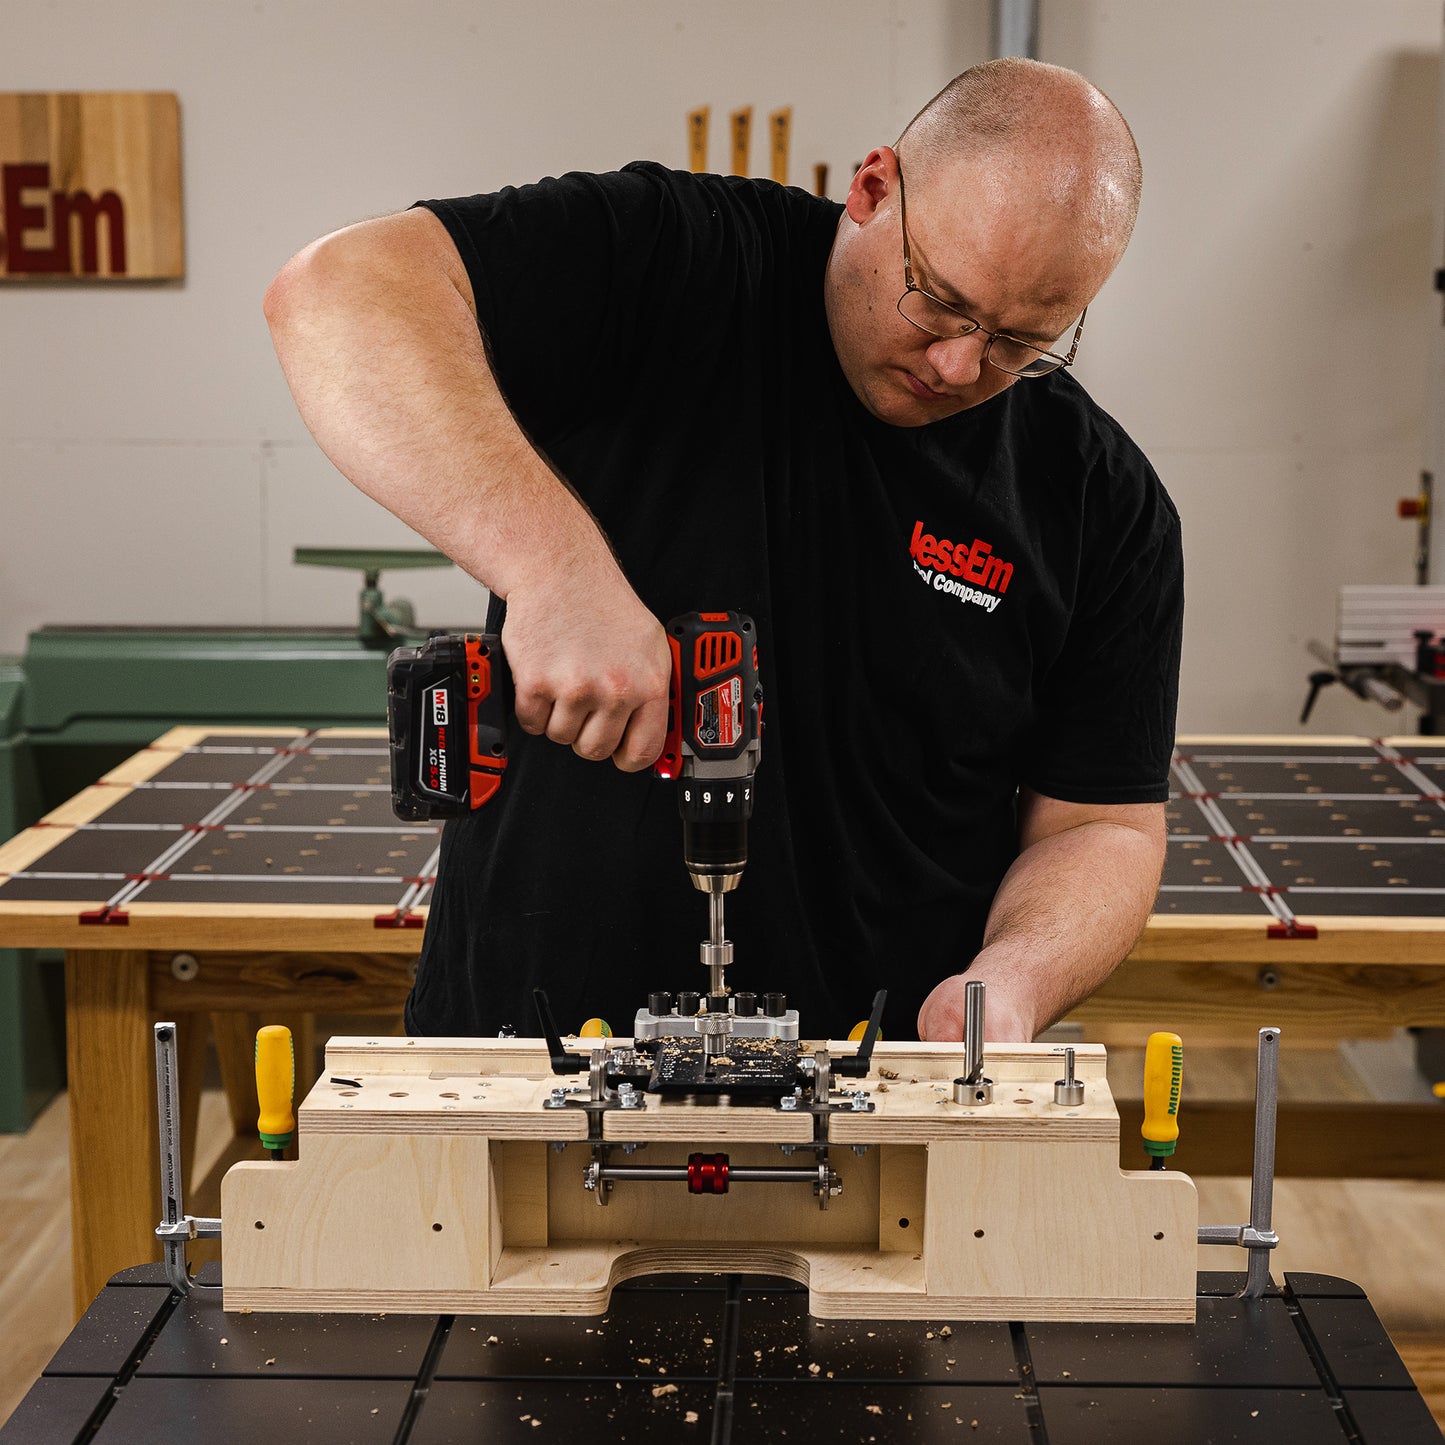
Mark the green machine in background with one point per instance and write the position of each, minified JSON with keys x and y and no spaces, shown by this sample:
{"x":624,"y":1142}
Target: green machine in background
{"x":83,"y":699}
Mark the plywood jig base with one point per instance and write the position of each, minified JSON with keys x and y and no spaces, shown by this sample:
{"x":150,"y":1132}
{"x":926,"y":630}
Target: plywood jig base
{"x":444,"y":1182}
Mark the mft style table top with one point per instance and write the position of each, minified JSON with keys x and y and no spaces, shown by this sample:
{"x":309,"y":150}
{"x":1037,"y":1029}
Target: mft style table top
{"x":1284,"y":833}
{"x":724,"y":1358}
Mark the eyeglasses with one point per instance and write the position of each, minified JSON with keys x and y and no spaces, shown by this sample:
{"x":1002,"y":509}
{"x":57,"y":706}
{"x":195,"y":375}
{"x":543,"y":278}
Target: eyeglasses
{"x":925,"y":311}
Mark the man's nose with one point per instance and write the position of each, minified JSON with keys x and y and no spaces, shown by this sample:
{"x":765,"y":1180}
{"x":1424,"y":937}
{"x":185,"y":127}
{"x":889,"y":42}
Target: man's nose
{"x":958,"y":359}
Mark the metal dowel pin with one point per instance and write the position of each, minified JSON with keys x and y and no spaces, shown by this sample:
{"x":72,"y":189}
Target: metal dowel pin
{"x":1069,"y":1091}
{"x":976,"y":1089}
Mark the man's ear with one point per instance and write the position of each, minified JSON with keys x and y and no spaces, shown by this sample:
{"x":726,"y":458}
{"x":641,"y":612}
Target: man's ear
{"x":875,"y":180}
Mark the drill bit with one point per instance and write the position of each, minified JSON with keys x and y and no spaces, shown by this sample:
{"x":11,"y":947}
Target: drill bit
{"x":717,"y":952}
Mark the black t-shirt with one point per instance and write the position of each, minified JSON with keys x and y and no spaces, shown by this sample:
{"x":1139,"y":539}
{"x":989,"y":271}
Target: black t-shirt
{"x":943,"y":613}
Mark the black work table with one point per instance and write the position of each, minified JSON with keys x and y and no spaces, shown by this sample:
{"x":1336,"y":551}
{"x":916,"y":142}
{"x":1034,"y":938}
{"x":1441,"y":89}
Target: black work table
{"x":722,"y":1358}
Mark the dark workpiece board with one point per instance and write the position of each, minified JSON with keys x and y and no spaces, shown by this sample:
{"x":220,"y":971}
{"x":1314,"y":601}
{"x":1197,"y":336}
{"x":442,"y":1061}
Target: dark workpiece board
{"x":722,"y":1358}
{"x":1286,"y":830}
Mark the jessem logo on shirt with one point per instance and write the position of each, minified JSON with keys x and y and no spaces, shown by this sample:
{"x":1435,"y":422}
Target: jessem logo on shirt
{"x":951,"y":566}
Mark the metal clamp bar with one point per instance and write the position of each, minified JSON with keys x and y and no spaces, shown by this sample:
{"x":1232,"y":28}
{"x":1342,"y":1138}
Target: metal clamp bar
{"x":176,"y":1226}
{"x":1261,"y":1193}
{"x":190,"y":1228}
{"x":1258,"y":1236}
{"x":1245,"y":1235}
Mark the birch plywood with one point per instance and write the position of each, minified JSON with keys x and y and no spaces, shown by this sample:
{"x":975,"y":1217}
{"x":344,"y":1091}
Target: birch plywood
{"x":1016,"y":1210}
{"x":90,"y":186}
{"x":416,"y":1208}
{"x":1009,"y":1219}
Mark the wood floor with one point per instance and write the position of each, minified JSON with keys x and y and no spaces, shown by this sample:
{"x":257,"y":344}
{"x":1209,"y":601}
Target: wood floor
{"x":1386,"y":1235}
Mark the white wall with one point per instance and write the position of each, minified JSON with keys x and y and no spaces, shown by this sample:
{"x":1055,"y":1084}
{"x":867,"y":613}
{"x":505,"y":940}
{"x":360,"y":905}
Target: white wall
{"x":1265,"y":339}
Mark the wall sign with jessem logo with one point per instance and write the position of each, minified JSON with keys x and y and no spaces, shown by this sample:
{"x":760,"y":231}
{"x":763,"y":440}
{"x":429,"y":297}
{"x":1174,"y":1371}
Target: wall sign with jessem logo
{"x":90,"y":186}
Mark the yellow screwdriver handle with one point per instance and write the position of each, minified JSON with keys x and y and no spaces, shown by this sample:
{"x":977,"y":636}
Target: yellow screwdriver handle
{"x":1163,"y":1076}
{"x":275,"y":1086}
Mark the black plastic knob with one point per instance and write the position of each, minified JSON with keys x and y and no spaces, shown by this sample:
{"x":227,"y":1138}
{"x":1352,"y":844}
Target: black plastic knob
{"x":717,"y":1003}
{"x":745,"y":1005}
{"x":659,"y":1003}
{"x":775,"y":1005}
{"x":687,"y":1003}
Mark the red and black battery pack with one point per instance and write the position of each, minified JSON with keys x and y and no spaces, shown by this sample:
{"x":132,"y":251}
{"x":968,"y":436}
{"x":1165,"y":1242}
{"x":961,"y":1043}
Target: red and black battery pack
{"x":448,"y":706}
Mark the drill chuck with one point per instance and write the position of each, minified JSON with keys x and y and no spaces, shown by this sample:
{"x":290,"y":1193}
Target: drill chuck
{"x":715,"y":852}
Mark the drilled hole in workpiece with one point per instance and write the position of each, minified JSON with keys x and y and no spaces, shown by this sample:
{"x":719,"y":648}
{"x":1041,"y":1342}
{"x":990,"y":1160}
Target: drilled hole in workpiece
{"x":436,"y":1229}
{"x":348,"y":1093}
{"x":978,"y":1234}
{"x":260,"y":1224}
{"x":451,"y":1096}
{"x":400,"y":1095}
{"x":1160,"y":1235}
{"x":903,"y":1224}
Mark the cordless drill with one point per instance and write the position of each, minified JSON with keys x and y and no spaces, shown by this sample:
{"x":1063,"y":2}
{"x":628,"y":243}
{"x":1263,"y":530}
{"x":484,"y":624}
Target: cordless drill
{"x":713,"y":746}
{"x":449,"y":706}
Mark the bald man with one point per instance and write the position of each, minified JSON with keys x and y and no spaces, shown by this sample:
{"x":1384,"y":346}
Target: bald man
{"x":615,"y":398}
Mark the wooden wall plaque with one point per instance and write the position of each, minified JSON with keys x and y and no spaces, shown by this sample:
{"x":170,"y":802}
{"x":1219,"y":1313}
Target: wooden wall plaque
{"x":90,"y":186}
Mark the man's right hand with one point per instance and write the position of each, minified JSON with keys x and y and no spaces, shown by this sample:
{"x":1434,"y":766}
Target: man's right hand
{"x":595,"y":678}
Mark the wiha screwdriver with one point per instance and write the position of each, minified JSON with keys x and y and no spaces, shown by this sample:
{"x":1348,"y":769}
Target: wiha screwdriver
{"x":1163,"y":1076}
{"x":275,"y":1087}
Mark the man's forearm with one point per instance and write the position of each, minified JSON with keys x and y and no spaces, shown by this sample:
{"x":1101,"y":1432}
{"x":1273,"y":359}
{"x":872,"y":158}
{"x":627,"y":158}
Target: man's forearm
{"x":1065,"y":916}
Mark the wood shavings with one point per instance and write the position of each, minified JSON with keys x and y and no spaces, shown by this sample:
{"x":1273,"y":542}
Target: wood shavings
{"x":887,"y":1073}
{"x":690,"y":1418}
{"x":874,"y":1409}
{"x":658,"y":1391}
